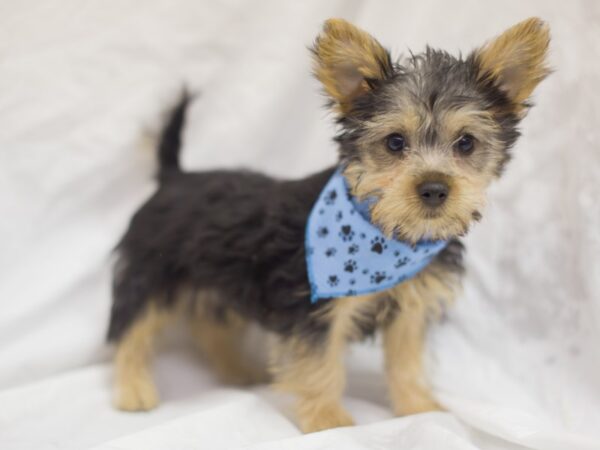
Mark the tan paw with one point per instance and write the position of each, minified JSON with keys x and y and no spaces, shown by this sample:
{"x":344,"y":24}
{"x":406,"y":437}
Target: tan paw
{"x":137,"y":394}
{"x":323,"y":417}
{"x":415,"y":401}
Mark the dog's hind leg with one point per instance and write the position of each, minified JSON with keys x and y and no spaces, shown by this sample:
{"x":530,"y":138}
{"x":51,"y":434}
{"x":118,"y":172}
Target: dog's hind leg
{"x":134,"y":385}
{"x":221,"y":339}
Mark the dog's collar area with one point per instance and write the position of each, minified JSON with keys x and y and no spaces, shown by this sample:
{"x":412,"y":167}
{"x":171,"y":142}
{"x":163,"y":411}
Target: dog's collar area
{"x":347,"y":255}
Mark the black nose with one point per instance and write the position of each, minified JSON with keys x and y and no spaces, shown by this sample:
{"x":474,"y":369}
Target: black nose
{"x":433,"y":193}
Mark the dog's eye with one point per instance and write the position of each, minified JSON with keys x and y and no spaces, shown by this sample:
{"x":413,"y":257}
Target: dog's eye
{"x":465,"y":145}
{"x":395,"y":142}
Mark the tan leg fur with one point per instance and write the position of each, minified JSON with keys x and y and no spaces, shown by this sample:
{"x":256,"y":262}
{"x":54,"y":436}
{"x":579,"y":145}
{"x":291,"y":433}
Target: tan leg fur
{"x":420,"y":298}
{"x":317,"y":376}
{"x":134,"y":387}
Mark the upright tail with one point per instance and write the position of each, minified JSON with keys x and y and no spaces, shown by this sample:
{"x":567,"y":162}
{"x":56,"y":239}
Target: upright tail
{"x":170,"y":139}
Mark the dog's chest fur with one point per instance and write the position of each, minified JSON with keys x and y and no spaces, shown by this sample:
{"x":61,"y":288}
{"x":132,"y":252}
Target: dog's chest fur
{"x":429,"y":292}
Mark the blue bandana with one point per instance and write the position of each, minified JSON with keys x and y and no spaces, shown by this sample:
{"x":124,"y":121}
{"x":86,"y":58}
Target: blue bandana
{"x":347,"y":255}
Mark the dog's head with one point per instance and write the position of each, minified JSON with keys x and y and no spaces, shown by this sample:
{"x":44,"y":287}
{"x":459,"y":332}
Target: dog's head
{"x":423,"y":137}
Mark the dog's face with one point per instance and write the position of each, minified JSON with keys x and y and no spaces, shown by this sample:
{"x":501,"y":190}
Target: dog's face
{"x":424,"y":137}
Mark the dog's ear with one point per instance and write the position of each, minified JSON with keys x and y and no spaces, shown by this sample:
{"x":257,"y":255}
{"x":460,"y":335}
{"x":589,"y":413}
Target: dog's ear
{"x":515,"y":61}
{"x":349,"y":62}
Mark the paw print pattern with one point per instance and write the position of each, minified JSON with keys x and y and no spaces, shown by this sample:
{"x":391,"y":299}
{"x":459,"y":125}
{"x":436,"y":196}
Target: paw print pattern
{"x":378,"y":245}
{"x":330,"y":197}
{"x":350,"y":266}
{"x":331,"y":251}
{"x":401,"y":262}
{"x":378,"y":277}
{"x":350,"y":293}
{"x":346,"y":233}
{"x":347,"y":257}
{"x":333,"y":280}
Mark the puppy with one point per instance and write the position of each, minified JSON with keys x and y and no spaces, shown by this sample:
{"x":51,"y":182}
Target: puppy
{"x":371,"y":244}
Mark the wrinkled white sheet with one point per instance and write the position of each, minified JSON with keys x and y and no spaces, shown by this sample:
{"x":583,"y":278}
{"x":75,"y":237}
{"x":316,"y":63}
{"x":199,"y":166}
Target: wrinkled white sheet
{"x":82,"y":89}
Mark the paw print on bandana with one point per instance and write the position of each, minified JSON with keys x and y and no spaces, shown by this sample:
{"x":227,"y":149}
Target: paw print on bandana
{"x":365,"y":271}
{"x":330,"y":252}
{"x":401,"y":262}
{"x":333,"y":280}
{"x":346,"y":233}
{"x":378,"y":244}
{"x":350,"y":293}
{"x":362,"y":235}
{"x":322,"y":232}
{"x":396,"y":253}
{"x":350,"y":266}
{"x":338,"y":216}
{"x":353,"y":249}
{"x":352,"y":281}
{"x":378,"y":277}
{"x":330,"y":197}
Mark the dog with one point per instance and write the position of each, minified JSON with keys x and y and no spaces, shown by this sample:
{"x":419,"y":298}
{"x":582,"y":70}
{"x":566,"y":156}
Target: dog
{"x":420,"y":139}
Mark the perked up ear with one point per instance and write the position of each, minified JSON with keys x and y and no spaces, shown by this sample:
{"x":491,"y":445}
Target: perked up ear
{"x":516,"y":60}
{"x":348,"y":61}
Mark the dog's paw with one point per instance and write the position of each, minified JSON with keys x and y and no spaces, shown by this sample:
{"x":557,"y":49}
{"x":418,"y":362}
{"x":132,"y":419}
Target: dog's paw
{"x":415,"y":401}
{"x":139,"y":394}
{"x":323,"y":417}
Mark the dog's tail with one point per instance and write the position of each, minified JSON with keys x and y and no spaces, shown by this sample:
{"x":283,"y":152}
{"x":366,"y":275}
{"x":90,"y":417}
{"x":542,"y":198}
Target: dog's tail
{"x":170,"y":139}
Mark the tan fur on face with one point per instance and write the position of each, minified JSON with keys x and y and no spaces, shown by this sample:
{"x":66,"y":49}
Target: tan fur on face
{"x":345,"y":57}
{"x":134,"y":387}
{"x":517,"y":59}
{"x":420,"y":298}
{"x":399,"y":209}
{"x":393,"y":179}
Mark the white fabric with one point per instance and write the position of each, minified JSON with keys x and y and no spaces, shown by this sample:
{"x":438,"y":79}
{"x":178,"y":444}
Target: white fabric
{"x":82,"y":88}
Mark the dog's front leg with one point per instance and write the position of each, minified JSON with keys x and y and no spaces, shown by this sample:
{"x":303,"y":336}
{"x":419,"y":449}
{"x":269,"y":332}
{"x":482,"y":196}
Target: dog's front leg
{"x":403,"y":347}
{"x":316,"y":377}
{"x":404,"y":337}
{"x":313,"y":370}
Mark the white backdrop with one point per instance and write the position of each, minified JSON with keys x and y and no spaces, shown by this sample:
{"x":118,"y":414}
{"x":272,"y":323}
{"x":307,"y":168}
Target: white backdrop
{"x":82,"y":89}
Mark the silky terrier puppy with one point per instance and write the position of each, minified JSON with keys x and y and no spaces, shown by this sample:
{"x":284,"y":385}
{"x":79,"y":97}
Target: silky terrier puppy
{"x":315,"y":263}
